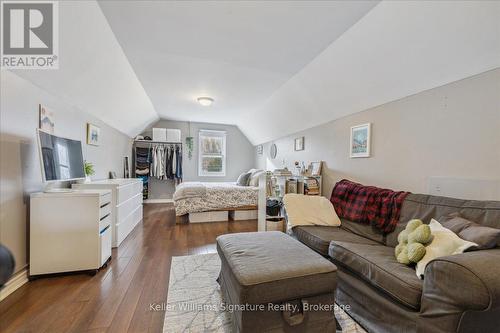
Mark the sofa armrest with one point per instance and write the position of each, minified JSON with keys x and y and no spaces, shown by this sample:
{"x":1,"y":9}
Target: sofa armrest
{"x":461,"y":283}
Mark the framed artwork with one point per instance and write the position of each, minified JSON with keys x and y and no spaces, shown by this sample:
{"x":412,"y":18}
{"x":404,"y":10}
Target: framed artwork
{"x":46,"y":119}
{"x":299,"y":143}
{"x":360,"y":141}
{"x":93,"y":134}
{"x":316,"y":168}
{"x":260,"y":149}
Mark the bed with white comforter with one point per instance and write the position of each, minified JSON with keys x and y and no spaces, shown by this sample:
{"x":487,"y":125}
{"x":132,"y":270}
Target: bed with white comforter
{"x":196,"y":197}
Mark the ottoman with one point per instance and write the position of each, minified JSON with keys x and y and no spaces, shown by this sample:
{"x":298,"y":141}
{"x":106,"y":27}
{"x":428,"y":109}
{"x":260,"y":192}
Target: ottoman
{"x":273,"y":283}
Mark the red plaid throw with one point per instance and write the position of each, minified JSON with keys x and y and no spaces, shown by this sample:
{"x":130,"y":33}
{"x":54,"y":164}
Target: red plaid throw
{"x":368,"y":204}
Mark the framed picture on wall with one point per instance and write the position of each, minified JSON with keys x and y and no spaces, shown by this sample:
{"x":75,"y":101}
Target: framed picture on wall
{"x":46,"y":119}
{"x":93,"y":135}
{"x":360,"y":141}
{"x":299,"y":143}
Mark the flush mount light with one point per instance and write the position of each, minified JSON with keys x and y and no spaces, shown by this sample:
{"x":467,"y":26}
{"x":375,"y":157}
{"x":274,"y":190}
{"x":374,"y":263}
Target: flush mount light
{"x":205,"y":101}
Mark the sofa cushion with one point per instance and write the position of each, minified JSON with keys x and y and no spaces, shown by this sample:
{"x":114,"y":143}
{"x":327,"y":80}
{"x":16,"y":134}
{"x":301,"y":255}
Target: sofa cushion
{"x":377,"y":266}
{"x":365,"y":230}
{"x":484,"y":237}
{"x":427,"y":207}
{"x":318,"y":238}
{"x":263,"y":267}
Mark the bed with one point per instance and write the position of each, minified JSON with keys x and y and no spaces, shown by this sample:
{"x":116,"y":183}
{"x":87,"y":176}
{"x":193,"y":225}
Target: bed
{"x":198,"y":197}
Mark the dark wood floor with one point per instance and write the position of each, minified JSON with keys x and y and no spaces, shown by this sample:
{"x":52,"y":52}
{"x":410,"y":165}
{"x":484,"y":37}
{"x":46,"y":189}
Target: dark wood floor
{"x":118,"y":298}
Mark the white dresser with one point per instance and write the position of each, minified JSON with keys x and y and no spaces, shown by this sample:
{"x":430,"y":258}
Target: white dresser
{"x":126,"y":201}
{"x":69,"y":231}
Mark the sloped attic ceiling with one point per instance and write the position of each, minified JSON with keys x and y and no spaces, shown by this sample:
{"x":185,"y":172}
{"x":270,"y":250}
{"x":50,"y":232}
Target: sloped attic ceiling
{"x":398,"y":49}
{"x":94,"y":74}
{"x":273,"y":67}
{"x":237,"y":52}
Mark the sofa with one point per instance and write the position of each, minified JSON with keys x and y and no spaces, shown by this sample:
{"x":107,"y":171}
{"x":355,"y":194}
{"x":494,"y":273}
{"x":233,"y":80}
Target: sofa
{"x":459,"y":293}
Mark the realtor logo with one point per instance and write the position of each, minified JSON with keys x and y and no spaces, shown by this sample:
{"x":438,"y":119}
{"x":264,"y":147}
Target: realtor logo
{"x":30,"y":35}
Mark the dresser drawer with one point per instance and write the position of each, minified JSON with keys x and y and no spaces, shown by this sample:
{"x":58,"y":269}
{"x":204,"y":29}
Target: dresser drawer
{"x":105,"y":245}
{"x":104,"y":221}
{"x":125,"y":208}
{"x":126,"y":225}
{"x":105,"y":210}
{"x":104,"y":199}
{"x":123,"y":193}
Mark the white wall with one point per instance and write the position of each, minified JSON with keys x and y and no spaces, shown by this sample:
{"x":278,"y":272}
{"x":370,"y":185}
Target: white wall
{"x":240,"y":156}
{"x":451,"y":131}
{"x":19,"y":161}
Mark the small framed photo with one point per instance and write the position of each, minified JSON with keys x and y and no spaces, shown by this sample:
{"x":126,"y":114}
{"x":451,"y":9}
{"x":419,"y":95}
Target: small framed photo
{"x":315,"y":168}
{"x":46,"y":119}
{"x":299,"y":143}
{"x":93,"y":134}
{"x":260,"y":149}
{"x":360,"y":141}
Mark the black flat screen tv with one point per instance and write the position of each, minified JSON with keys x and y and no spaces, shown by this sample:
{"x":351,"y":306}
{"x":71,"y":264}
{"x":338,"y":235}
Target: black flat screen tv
{"x":61,"y":158}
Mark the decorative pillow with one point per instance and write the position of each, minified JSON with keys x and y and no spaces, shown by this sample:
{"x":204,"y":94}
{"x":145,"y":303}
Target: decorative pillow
{"x":254,"y":178}
{"x":243,"y":179}
{"x":485,"y":237}
{"x":412,"y":239}
{"x":444,"y":243}
{"x":309,"y":210}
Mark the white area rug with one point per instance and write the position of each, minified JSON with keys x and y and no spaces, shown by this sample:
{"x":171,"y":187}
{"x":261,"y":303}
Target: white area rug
{"x":194,"y":302}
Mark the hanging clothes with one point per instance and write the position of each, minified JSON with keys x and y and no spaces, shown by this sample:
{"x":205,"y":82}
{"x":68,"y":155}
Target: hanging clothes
{"x":174,"y":161}
{"x":161,"y":161}
{"x":178,"y":170}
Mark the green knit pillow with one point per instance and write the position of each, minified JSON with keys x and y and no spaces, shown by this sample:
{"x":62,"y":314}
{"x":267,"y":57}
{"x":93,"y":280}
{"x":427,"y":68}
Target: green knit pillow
{"x":421,"y":235}
{"x":403,"y":256}
{"x":411,"y":249}
{"x":416,"y":251}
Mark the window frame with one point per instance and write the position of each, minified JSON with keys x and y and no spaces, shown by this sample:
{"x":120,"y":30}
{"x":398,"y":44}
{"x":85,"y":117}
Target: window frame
{"x":212,"y":133}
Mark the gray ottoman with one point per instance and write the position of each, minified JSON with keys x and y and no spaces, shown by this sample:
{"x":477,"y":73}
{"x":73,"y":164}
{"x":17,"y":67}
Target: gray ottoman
{"x":273,"y":283}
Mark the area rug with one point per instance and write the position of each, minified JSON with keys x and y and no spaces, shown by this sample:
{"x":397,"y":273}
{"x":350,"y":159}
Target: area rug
{"x":194,"y":301}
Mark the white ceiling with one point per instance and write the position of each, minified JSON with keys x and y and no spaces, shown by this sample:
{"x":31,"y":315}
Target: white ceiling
{"x":398,"y":49}
{"x":94,"y":74}
{"x":237,"y":52}
{"x":273,"y":67}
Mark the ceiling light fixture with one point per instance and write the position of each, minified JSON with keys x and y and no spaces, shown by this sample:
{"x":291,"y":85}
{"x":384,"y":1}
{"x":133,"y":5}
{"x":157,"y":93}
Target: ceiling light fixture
{"x":205,"y":101}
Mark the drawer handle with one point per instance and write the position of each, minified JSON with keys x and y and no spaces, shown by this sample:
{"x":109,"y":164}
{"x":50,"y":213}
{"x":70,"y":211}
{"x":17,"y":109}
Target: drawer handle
{"x":107,"y":203}
{"x":104,"y":230}
{"x":102,"y":218}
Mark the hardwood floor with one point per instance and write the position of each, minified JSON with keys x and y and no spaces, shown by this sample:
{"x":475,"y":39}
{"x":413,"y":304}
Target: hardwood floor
{"x":118,"y":298}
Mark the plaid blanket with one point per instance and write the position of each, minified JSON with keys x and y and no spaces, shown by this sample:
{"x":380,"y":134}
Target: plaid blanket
{"x":368,"y":204}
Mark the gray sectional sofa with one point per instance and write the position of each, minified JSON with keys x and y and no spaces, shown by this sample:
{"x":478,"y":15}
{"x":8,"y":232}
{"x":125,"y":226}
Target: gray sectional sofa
{"x":460,"y":293}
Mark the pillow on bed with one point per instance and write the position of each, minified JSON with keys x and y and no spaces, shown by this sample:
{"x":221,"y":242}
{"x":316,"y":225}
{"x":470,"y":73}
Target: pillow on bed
{"x":243,"y":179}
{"x":254,"y":177}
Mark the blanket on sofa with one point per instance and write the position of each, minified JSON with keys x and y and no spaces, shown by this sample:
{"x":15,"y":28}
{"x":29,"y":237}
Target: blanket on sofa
{"x":368,"y":204}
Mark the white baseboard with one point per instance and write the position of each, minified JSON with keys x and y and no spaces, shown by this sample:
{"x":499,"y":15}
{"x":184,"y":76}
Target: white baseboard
{"x":158,"y":201}
{"x":14,"y":283}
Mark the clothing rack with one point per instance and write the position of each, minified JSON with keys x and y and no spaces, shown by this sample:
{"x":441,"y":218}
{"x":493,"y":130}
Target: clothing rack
{"x":150,"y":144}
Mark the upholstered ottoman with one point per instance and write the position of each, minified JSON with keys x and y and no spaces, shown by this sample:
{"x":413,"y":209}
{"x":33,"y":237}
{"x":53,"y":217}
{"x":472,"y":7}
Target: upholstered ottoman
{"x":273,"y":283}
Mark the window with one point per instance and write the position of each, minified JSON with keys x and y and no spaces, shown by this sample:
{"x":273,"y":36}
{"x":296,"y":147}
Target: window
{"x":63,"y":159}
{"x":212,"y":153}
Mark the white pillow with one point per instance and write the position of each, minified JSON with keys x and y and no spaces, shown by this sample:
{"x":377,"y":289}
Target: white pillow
{"x":444,"y":243}
{"x":254,"y":178}
{"x":309,"y":210}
